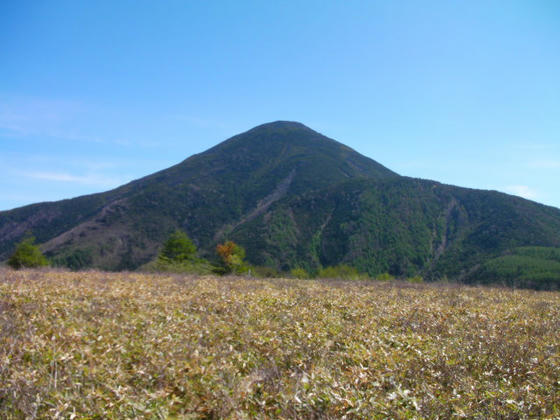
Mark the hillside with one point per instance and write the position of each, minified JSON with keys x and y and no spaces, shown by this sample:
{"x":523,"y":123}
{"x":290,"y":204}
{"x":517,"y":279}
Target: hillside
{"x":126,"y":345}
{"x":403,"y":226}
{"x":207,"y":194}
{"x":292,"y":197}
{"x":527,"y":267}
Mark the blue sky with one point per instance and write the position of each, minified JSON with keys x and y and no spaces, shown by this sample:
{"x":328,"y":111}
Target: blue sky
{"x":94,"y":94}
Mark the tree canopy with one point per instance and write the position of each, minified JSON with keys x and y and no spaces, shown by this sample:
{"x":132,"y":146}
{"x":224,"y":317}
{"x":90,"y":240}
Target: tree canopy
{"x":178,"y":248}
{"x":27,"y":255}
{"x":233,"y":257}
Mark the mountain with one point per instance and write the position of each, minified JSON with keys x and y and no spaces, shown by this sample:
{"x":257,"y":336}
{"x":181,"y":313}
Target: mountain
{"x":292,"y":197}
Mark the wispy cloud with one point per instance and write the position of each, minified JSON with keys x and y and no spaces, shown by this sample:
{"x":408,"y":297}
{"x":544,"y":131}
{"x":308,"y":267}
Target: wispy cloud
{"x":53,"y":118}
{"x":28,"y":116}
{"x":76,"y":121}
{"x":522,"y":191}
{"x":88,"y":179}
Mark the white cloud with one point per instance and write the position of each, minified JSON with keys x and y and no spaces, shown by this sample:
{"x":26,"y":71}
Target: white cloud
{"x":522,"y":191}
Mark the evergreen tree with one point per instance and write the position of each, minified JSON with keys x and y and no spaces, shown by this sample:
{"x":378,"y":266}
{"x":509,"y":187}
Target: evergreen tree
{"x":179,"y":255}
{"x":179,"y":248}
{"x":27,"y":254}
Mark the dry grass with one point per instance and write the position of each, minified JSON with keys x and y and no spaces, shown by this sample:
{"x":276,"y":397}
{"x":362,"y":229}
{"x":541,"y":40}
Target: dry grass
{"x":101,"y":345}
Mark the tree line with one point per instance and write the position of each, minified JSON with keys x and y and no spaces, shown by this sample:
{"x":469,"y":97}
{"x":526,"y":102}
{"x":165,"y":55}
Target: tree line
{"x":180,"y":255}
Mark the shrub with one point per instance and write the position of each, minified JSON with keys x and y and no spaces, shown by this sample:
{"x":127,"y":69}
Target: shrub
{"x":384,"y":277}
{"x":299,"y":273}
{"x":198,"y":266}
{"x":341,"y":271}
{"x":265,"y":272}
{"x":27,"y":254}
{"x":232,"y":256}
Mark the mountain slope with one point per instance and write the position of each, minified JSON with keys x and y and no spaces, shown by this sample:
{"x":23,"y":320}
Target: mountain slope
{"x":403,"y":226}
{"x":292,"y":197}
{"x":207,"y":195}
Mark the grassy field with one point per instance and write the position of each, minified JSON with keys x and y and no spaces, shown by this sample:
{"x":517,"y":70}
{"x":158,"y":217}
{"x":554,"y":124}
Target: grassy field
{"x":101,"y":345}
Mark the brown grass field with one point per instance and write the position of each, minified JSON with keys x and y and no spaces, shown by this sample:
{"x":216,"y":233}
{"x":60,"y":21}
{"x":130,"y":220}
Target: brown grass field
{"x":125,"y":345}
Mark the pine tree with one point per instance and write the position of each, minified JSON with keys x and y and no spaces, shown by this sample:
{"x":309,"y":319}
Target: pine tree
{"x":27,"y":255}
{"x":179,"y":248}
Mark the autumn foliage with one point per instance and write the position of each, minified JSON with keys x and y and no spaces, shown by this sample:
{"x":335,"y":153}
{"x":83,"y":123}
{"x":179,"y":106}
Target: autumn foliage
{"x":232,"y":256}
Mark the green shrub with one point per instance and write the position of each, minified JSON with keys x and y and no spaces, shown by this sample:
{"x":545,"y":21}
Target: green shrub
{"x":265,"y":272}
{"x":299,"y":273}
{"x":384,"y":277}
{"x":27,"y":254}
{"x":415,"y":279}
{"x":341,"y":271}
{"x":197,"y":266}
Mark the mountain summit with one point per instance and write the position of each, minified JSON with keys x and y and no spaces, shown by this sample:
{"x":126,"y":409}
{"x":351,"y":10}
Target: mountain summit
{"x":292,"y":197}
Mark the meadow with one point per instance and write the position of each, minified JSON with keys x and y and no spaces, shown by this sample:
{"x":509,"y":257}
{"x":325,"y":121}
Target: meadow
{"x":126,"y":345}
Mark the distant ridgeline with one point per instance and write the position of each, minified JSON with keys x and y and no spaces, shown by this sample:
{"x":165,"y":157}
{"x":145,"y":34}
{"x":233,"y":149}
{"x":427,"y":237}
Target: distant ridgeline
{"x":295,"y":199}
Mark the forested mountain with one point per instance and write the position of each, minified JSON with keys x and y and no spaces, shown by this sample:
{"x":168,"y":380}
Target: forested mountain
{"x":292,"y":197}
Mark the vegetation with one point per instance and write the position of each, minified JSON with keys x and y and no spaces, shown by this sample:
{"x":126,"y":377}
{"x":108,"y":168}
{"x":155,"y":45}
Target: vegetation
{"x":179,"y":255}
{"x":402,"y":227}
{"x":129,"y":345}
{"x":292,"y":198}
{"x":384,"y":277}
{"x":264,"y":272}
{"x":415,"y":279}
{"x":78,"y":259}
{"x":233,"y":258}
{"x":527,"y":267}
{"x":27,"y":255}
{"x":299,"y":273}
{"x":341,"y":271}
{"x":178,"y":248}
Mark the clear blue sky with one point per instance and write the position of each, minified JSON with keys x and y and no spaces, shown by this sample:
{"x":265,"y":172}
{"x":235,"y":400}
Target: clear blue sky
{"x":96,"y":93}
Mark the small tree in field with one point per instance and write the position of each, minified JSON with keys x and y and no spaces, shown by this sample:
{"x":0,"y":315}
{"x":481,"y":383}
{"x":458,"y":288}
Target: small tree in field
{"x":232,"y":256}
{"x":179,"y":255}
{"x":27,"y":254}
{"x":178,"y":249}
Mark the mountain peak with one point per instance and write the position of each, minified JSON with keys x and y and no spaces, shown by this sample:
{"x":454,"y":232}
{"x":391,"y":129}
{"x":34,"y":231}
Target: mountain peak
{"x":280,"y":128}
{"x":282,"y":124}
{"x":285,"y":145}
